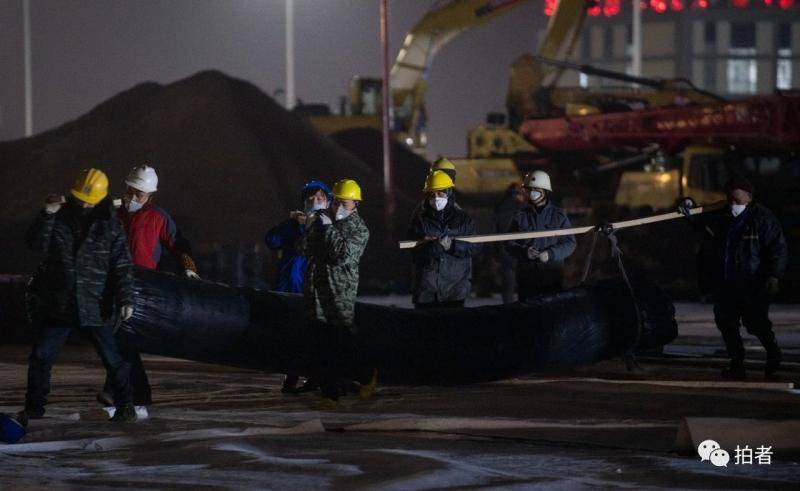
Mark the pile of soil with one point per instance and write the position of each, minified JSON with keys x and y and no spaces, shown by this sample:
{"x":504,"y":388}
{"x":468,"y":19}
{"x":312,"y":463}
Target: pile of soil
{"x":231,"y":164}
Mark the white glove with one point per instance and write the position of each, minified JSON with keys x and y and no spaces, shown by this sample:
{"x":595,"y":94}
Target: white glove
{"x":533,"y":253}
{"x":191,"y":274}
{"x":125,"y":312}
{"x":325,"y":219}
{"x":53,"y":203}
{"x":544,"y":256}
{"x":446,"y":242}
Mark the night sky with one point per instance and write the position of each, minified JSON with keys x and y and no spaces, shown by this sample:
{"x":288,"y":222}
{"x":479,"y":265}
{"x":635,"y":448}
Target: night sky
{"x":85,"y":51}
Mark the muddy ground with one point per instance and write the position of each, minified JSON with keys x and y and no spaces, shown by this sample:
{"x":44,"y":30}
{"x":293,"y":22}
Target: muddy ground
{"x":597,"y":426}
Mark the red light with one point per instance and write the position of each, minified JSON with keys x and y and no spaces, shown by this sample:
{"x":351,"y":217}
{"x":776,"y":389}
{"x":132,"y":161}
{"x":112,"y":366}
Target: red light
{"x":610,"y":8}
{"x":594,"y":11}
{"x":740,"y":4}
{"x":659,"y":6}
{"x":676,"y":5}
{"x":643,"y":5}
{"x":768,"y":3}
{"x":786,"y":4}
{"x":550,"y":7}
{"x":701,"y":4}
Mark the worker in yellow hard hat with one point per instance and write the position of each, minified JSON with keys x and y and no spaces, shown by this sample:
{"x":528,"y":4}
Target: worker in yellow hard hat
{"x":445,"y":165}
{"x":334,"y":242}
{"x":84,"y":282}
{"x":442,"y":263}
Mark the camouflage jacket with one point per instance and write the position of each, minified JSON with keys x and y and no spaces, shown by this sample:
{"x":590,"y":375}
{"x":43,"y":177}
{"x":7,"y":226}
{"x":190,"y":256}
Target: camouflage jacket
{"x":331,"y":281}
{"x":87,"y":269}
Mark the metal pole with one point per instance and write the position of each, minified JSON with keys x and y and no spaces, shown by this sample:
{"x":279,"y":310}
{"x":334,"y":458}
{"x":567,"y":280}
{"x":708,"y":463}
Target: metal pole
{"x":388,"y":188}
{"x":26,"y":21}
{"x":636,"y":39}
{"x":290,"y":94}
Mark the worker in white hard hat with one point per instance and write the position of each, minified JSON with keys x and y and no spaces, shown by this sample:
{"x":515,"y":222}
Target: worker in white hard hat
{"x":150,"y":231}
{"x":540,"y":268}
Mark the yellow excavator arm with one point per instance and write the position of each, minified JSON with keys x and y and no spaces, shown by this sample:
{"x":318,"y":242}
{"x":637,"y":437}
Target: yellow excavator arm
{"x":439,"y":26}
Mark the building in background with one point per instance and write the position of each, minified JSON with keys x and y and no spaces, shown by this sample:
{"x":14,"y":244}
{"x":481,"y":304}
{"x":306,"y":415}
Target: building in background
{"x":730,"y":47}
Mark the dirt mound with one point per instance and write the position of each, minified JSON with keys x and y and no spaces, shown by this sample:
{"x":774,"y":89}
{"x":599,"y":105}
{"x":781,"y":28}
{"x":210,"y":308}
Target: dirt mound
{"x":231,"y":163}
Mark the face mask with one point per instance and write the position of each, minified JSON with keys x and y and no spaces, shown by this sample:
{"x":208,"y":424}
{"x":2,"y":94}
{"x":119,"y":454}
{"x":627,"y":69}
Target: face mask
{"x":536,"y":195}
{"x":133,"y":205}
{"x":737,"y":210}
{"x":310,"y":208}
{"x":342,"y":213}
{"x":438,"y":203}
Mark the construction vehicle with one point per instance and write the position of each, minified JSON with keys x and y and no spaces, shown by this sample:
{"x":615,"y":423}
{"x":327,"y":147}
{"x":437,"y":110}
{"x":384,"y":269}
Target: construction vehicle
{"x":408,"y":75}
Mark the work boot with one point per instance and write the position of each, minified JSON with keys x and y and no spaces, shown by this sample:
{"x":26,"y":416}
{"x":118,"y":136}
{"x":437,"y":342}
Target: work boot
{"x":735,"y":371}
{"x":773,"y":363}
{"x":33,"y":413}
{"x":105,"y":398}
{"x":124,"y":414}
{"x":290,"y":384}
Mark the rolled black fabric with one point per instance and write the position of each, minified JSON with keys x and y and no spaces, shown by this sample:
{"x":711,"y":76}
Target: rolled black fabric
{"x":215,"y":323}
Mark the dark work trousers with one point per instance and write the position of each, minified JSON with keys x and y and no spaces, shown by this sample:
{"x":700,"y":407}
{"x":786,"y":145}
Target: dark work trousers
{"x":337,"y":355}
{"x":750,"y":305}
{"x":454,"y":304}
{"x":50,"y":339}
{"x":140,"y":384}
{"x":508,"y":279}
{"x":536,"y":278}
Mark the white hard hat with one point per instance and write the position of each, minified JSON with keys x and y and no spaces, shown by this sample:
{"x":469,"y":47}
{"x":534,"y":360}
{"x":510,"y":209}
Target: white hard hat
{"x":537,"y":179}
{"x":143,"y":178}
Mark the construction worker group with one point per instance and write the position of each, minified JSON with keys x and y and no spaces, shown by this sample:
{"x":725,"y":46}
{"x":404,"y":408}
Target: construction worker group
{"x":91,"y":244}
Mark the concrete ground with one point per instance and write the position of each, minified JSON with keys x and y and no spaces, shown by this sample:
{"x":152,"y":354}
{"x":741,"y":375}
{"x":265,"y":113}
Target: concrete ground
{"x":597,"y":426}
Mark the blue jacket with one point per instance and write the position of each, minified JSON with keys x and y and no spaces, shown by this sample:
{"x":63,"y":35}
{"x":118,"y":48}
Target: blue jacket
{"x":292,"y":266}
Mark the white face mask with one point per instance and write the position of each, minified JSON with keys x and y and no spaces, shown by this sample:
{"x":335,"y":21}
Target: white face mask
{"x":438,"y":203}
{"x":536,"y":195}
{"x":310,"y":208}
{"x":737,"y":210}
{"x":133,"y":206}
{"x":342,"y":213}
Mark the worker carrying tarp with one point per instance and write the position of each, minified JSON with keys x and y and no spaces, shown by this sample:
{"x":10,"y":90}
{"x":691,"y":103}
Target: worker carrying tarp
{"x":442,"y":265}
{"x":741,"y":261}
{"x":150,"y":231}
{"x":540,"y":268}
{"x":285,"y":237}
{"x":86,"y":274}
{"x":334,"y":245}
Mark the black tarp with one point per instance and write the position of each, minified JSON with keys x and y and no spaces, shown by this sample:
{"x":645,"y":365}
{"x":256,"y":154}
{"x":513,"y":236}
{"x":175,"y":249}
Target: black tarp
{"x":215,"y":323}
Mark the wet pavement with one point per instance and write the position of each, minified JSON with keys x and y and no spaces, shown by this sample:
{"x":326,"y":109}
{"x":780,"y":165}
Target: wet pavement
{"x":598,"y":426}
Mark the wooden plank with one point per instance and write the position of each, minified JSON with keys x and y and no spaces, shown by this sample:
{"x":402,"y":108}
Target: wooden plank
{"x":478,"y":239}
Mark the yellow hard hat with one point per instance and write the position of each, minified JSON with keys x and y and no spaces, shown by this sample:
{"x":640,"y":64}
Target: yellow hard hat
{"x":442,"y":164}
{"x":347,"y":189}
{"x":438,"y":180}
{"x":91,"y":186}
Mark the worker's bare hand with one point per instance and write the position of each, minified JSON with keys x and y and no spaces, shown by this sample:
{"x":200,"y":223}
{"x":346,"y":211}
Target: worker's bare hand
{"x":301,"y":217}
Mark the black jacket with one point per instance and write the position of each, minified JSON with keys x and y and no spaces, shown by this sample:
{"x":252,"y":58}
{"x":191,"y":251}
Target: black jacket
{"x":532,"y":219}
{"x":747,"y":249}
{"x":439,"y":275}
{"x":87,"y":269}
